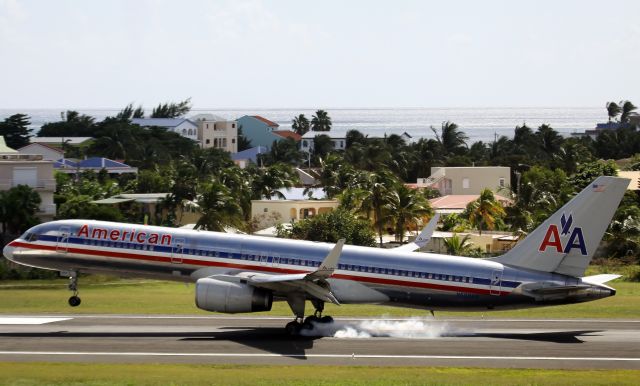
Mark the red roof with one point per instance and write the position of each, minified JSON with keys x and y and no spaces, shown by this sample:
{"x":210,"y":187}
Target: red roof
{"x":265,"y":120}
{"x":288,"y":134}
{"x":43,"y":145}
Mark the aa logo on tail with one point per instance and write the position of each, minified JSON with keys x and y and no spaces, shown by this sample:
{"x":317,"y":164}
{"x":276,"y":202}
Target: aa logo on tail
{"x":554,"y":238}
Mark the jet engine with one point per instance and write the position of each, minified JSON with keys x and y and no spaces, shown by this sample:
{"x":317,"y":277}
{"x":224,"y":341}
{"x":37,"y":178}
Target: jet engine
{"x":231,"y":297}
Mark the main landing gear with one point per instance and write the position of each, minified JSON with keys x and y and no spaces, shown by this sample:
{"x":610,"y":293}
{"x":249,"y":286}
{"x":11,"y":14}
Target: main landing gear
{"x":297,"y":304}
{"x":74,"y":300}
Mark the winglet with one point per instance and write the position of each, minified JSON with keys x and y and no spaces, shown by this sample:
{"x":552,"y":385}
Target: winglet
{"x":329,"y":264}
{"x":424,"y":236}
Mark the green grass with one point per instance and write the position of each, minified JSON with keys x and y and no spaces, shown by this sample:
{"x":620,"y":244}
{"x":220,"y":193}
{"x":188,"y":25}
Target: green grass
{"x":24,"y":374}
{"x":156,"y":297}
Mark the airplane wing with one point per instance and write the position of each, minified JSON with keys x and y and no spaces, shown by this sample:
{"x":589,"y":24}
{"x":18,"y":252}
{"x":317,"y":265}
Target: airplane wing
{"x":313,"y":283}
{"x":423,"y":238}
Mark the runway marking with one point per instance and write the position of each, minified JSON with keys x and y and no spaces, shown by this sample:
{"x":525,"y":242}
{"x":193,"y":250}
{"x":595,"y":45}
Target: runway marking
{"x":103,"y":316}
{"x":20,"y":320}
{"x":332,"y":356}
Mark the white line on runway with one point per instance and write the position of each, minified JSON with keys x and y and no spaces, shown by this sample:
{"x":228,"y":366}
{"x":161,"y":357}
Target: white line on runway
{"x":216,"y":317}
{"x":21,"y":320}
{"x":353,"y":356}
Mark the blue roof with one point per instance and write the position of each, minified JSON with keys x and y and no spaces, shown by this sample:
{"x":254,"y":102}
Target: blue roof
{"x":161,"y":122}
{"x":64,"y":163}
{"x":251,"y":154}
{"x":97,"y":162}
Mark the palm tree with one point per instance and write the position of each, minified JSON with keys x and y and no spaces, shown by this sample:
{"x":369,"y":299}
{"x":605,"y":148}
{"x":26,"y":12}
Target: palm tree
{"x":458,"y":246}
{"x":450,"y":138}
{"x":549,"y":140}
{"x":267,"y":181}
{"x":407,"y":206}
{"x":372,"y":196}
{"x":627,"y":108}
{"x":300,"y":124}
{"x":321,"y":121}
{"x":613,"y":110}
{"x":218,"y":207}
{"x":485,"y":211}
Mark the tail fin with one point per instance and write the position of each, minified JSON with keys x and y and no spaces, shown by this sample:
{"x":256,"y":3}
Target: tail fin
{"x":566,"y":242}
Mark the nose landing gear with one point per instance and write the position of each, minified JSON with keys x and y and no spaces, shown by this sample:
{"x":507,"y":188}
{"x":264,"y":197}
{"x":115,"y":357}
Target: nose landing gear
{"x":74,"y":300}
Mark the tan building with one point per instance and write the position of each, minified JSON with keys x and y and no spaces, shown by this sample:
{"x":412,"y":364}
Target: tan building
{"x":634,"y":176}
{"x":216,"y":132}
{"x":271,"y":212}
{"x":487,"y":242}
{"x":149,"y":208}
{"x":31,"y":170}
{"x":467,"y":179}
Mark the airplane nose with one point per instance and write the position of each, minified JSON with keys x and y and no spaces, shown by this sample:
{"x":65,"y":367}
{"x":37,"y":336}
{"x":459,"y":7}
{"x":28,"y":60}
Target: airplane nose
{"x":8,"y":252}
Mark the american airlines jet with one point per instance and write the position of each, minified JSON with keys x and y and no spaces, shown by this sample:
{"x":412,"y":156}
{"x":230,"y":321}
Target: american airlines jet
{"x":241,"y":273}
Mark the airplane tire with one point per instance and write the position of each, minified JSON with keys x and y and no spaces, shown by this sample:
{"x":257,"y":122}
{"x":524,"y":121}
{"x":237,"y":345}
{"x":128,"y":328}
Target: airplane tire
{"x":293,"y":328}
{"x":74,"y":301}
{"x":326,"y":319}
{"x":312,"y":319}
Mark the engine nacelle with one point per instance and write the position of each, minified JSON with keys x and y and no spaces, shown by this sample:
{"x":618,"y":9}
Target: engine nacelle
{"x":222,"y":296}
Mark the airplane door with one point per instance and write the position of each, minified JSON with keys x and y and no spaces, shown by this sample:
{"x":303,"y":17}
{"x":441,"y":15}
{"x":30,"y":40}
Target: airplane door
{"x":63,"y":240}
{"x":496,"y":282}
{"x":177,"y":251}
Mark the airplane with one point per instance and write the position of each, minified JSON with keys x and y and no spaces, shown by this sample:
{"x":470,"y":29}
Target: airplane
{"x":243,"y":273}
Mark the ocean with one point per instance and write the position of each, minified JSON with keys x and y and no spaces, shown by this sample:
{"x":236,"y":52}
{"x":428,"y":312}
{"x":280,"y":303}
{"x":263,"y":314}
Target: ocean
{"x":480,"y":124}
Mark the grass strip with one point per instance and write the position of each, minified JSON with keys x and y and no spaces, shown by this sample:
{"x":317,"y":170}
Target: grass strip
{"x":24,"y":374}
{"x":156,"y":297}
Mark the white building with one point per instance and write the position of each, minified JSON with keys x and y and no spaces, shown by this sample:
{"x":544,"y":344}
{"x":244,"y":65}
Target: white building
{"x":338,"y":137}
{"x":47,"y":152}
{"x":465,"y":180}
{"x":182,"y":126}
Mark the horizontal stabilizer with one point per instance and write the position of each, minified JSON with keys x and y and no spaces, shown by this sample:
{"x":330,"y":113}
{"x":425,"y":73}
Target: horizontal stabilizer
{"x":600,"y":279}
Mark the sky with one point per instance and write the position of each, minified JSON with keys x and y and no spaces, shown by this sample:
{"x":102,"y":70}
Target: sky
{"x":318,"y":54}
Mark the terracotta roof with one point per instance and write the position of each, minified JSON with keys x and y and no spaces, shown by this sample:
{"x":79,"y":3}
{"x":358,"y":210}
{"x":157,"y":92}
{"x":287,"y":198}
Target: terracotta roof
{"x":460,"y":201}
{"x":288,"y":134}
{"x":265,"y":120}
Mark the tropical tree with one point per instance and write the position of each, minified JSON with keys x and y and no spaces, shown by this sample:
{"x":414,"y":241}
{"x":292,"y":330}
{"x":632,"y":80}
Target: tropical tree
{"x":549,"y":141}
{"x":406,"y":206}
{"x":321,"y":121}
{"x":613,"y":110}
{"x":371,"y":197}
{"x":331,"y":227}
{"x":485,"y":211}
{"x":172,"y":110}
{"x":283,"y":151}
{"x":219,"y":208}
{"x":586,"y":173}
{"x":15,"y":130}
{"x":81,"y":207}
{"x":18,"y":207}
{"x":451,"y":139}
{"x":266,"y":182}
{"x":626,"y":109}
{"x":130,"y":112}
{"x":300,"y":124}
{"x":73,"y":124}
{"x":458,"y":246}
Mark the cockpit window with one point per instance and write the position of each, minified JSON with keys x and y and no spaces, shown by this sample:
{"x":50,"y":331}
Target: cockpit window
{"x":31,"y":237}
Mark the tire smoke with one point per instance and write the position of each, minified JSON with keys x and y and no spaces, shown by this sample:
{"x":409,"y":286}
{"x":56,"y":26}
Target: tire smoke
{"x":414,"y":328}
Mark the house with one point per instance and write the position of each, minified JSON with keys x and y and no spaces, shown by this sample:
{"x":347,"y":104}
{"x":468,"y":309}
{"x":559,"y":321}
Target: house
{"x":242,"y":158}
{"x":488,"y":242}
{"x":182,"y":126}
{"x":95,"y":164}
{"x":48,"y":153}
{"x":338,"y":137}
{"x":634,"y":176}
{"x":216,"y":132}
{"x":458,"y":203}
{"x":263,"y":132}
{"x":267,"y":213}
{"x":31,"y":170}
{"x":59,"y":142}
{"x":465,"y":180}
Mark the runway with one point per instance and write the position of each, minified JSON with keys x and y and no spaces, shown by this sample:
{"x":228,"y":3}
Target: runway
{"x":552,"y":344}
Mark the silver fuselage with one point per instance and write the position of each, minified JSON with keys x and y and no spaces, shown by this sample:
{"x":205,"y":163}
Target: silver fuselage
{"x":364,"y":274}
